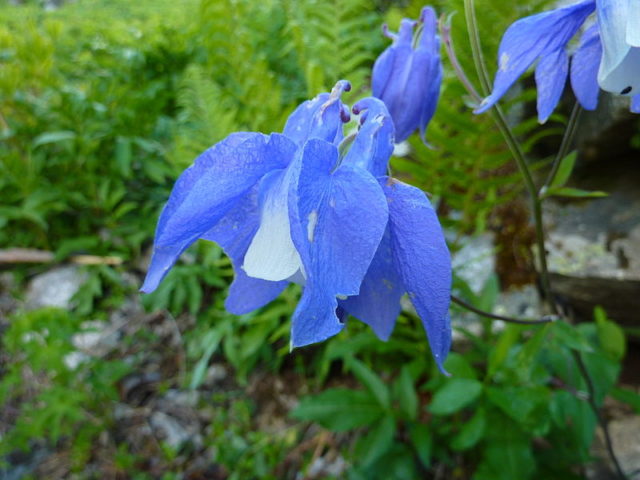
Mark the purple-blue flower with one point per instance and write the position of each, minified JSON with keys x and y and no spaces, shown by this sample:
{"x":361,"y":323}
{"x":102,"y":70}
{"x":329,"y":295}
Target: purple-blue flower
{"x":294,"y":207}
{"x":408,"y":74}
{"x":607,"y":57}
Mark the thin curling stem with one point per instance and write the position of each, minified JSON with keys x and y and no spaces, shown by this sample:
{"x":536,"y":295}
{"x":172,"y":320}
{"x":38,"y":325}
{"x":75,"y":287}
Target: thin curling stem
{"x":516,"y":151}
{"x":493,"y":316}
{"x":447,"y":39}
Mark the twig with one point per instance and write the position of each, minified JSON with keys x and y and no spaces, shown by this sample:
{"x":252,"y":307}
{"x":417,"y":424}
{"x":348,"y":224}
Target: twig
{"x":520,"y":321}
{"x":30,"y":255}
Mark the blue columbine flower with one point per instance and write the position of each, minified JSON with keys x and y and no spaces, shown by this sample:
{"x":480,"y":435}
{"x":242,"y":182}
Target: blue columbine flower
{"x":294,"y":207}
{"x":607,"y":57}
{"x":408,"y":74}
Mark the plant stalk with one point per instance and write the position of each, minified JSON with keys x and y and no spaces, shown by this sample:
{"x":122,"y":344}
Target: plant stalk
{"x":493,"y":316}
{"x":516,"y":151}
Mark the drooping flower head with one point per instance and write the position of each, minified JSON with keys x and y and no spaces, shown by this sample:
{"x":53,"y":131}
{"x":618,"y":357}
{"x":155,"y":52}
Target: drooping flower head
{"x":408,"y":74}
{"x":607,"y":57}
{"x":294,"y":207}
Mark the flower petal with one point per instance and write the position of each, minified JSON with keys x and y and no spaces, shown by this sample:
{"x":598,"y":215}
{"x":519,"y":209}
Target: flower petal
{"x":551,"y":77}
{"x":321,"y":117}
{"x":382,"y":71}
{"x":620,"y":67}
{"x":340,"y":218}
{"x":422,"y":259}
{"x":378,"y":302}
{"x":373,"y":145}
{"x":271,"y":254}
{"x":584,"y":68}
{"x":531,"y":37}
{"x":430,"y":44}
{"x":208,"y":189}
{"x":234,"y":233}
{"x":390,"y":70}
{"x":635,"y":103}
{"x":633,"y":24}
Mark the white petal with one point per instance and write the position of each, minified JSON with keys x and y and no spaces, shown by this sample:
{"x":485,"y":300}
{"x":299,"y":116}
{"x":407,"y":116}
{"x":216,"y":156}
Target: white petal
{"x":633,"y":24}
{"x":619,"y":70}
{"x":272,"y":255}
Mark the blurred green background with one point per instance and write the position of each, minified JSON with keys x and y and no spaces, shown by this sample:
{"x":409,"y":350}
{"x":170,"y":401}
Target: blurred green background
{"x":102,"y":105}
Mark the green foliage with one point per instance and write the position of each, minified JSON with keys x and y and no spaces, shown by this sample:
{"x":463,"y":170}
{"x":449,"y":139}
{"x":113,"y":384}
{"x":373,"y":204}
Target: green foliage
{"x":492,"y":411}
{"x":104,"y":104}
{"x":60,"y":394}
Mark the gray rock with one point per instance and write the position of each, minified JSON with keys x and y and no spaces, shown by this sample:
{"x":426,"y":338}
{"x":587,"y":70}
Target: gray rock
{"x":625,"y":437}
{"x":169,"y":430}
{"x":55,"y":288}
{"x":594,"y":245}
{"x":475,"y":261}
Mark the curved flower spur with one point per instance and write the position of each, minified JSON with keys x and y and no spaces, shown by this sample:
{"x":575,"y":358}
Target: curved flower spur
{"x":305,"y":207}
{"x":607,"y":57}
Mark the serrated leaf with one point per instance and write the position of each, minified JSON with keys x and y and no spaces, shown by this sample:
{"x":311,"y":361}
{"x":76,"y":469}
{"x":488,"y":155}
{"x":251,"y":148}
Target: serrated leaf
{"x":339,"y":409}
{"x":456,"y":394}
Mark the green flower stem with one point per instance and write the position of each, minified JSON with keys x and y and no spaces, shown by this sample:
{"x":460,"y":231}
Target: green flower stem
{"x":567,"y":140}
{"x":536,"y":203}
{"x":516,"y":151}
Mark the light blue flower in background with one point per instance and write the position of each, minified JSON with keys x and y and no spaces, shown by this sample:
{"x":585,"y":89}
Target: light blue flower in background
{"x":291,"y":208}
{"x":408,"y":74}
{"x":607,"y":57}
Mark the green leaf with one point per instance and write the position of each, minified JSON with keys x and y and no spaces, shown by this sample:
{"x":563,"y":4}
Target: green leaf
{"x":377,"y":442}
{"x":507,"y":451}
{"x":212,"y":341}
{"x":574,"y":417}
{"x":499,"y":354}
{"x":422,"y":440}
{"x":339,"y":409}
{"x":564,"y":170}
{"x":471,"y":432}
{"x":570,"y":337}
{"x":518,"y":402}
{"x":456,"y":394}
{"x":506,"y":461}
{"x":53,"y":137}
{"x":124,"y":156}
{"x":459,"y":367}
{"x":574,"y":193}
{"x":489,"y":294}
{"x":627,"y":396}
{"x":610,"y":335}
{"x":406,"y":393}
{"x":370,"y":380}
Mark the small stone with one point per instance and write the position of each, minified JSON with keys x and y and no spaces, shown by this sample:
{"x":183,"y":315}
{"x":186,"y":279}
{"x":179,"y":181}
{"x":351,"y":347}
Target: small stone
{"x":55,"y":288}
{"x":169,"y":429}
